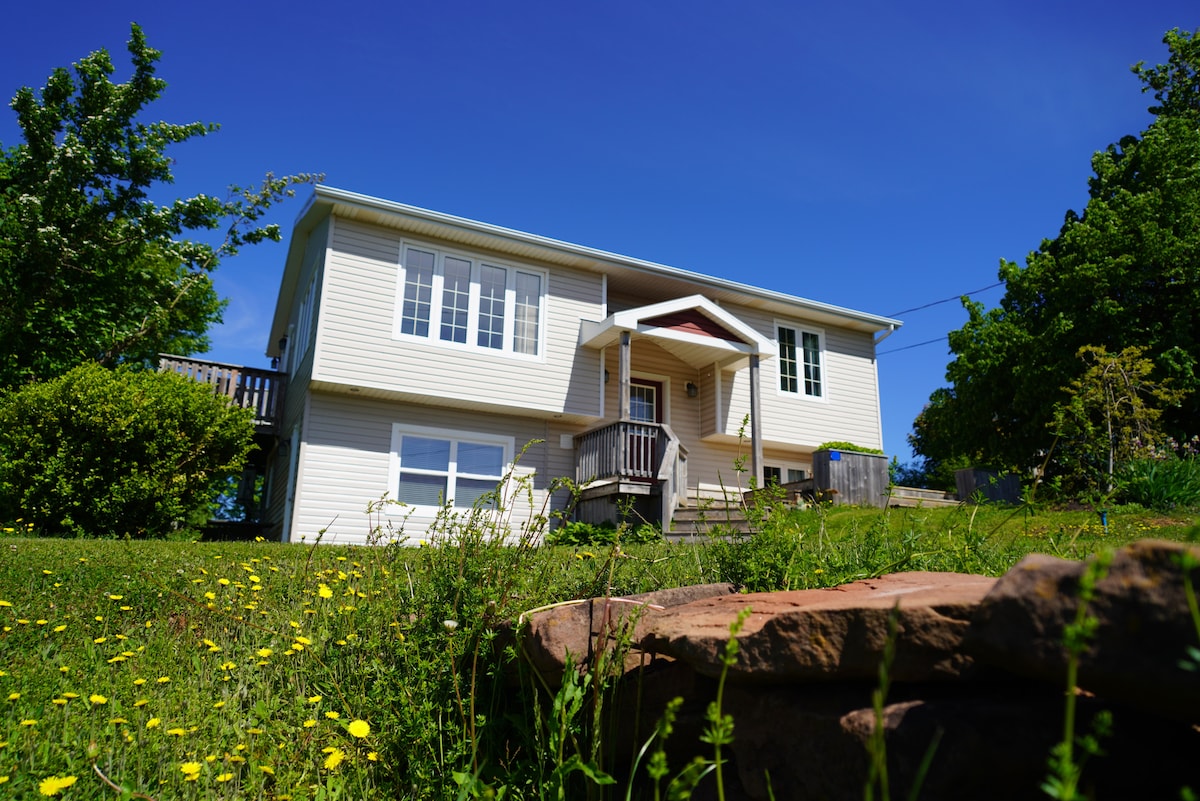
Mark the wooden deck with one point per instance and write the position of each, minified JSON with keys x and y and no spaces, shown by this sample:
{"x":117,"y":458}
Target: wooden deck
{"x":248,"y":387}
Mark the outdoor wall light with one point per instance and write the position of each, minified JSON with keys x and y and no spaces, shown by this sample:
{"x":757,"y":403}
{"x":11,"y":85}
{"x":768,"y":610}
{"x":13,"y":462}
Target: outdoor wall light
{"x":692,"y":390}
{"x":605,"y":376}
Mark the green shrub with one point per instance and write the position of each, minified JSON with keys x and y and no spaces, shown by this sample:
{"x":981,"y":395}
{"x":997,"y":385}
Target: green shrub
{"x":1160,"y":484}
{"x":576,"y":533}
{"x":847,"y":446}
{"x":100,"y":452}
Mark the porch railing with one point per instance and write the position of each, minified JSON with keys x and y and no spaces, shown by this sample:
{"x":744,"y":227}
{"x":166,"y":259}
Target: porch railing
{"x":248,"y":387}
{"x":621,"y":450}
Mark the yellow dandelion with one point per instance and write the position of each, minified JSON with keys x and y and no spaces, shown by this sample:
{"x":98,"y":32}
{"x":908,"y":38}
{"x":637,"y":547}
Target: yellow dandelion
{"x":5,"y":603}
{"x":59,"y":701}
{"x":218,"y":705}
{"x":60,"y":629}
{"x":190,"y":767}
{"x":263,"y":653}
{"x":97,"y":699}
{"x":115,"y":597}
{"x":153,"y":723}
{"x":224,"y":777}
{"x":177,"y":732}
{"x":138,"y":682}
{"x":141,"y":702}
{"x":53,"y":785}
{"x":100,"y":640}
{"x":267,"y":769}
{"x":224,"y":582}
{"x":314,"y":699}
{"x":13,"y":696}
{"x":359,"y":728}
{"x":373,"y":756}
{"x":324,"y":591}
{"x":335,"y":758}
{"x":163,"y":679}
{"x":70,"y":695}
{"x":28,"y":722}
{"x":332,"y":715}
{"x":308,"y":724}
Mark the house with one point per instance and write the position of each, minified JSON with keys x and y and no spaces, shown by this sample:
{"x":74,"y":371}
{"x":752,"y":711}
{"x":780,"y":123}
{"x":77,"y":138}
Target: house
{"x":427,"y":356}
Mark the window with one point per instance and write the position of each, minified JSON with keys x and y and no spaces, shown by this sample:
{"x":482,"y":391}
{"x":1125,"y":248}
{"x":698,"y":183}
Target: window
{"x":434,"y":467}
{"x":474,"y":304}
{"x":800,"y":362}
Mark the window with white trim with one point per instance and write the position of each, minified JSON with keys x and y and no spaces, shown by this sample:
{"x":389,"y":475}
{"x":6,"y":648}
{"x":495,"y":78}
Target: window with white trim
{"x":432,"y":467}
{"x":460,"y":301}
{"x":800,"y":362}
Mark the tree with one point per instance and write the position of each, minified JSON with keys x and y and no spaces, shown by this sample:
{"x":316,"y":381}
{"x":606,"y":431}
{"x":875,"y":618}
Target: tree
{"x":110,"y":452}
{"x":1124,"y":273}
{"x":91,"y":269}
{"x":1111,"y":414}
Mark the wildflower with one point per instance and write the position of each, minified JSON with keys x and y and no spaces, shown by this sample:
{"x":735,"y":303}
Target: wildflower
{"x":359,"y":728}
{"x":332,"y":715}
{"x":218,"y":704}
{"x":191,"y":770}
{"x":115,"y":597}
{"x":140,"y":702}
{"x":163,"y":679}
{"x":373,"y":756}
{"x":59,"y":701}
{"x":28,"y":722}
{"x":13,"y":696}
{"x":324,"y":591}
{"x":314,"y":699}
{"x":153,"y":723}
{"x":53,"y":785}
{"x":303,"y":641}
{"x":263,"y":653}
{"x":224,"y":582}
{"x":177,"y":732}
{"x":450,"y":625}
{"x":224,"y":777}
{"x":335,"y":758}
{"x":267,"y":769}
{"x":97,"y":699}
{"x":5,"y":603}
{"x":61,"y":628}
{"x":70,"y":695}
{"x":308,"y":724}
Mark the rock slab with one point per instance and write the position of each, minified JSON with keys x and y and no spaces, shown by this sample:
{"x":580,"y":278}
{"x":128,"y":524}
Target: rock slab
{"x":840,"y":632}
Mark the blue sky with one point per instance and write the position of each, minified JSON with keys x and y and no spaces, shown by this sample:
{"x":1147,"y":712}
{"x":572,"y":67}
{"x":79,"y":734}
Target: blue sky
{"x":875,"y":155}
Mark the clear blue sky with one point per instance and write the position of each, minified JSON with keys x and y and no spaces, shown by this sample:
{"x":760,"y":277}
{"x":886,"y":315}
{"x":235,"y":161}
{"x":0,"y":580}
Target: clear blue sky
{"x":875,"y":155}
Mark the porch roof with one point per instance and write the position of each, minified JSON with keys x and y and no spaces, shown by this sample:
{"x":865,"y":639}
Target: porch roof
{"x":695,"y":330}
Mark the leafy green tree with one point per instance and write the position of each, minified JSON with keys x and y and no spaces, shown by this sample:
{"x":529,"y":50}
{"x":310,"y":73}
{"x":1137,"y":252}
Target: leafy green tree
{"x":1111,"y":414}
{"x":110,"y":452}
{"x":1124,"y":273}
{"x":91,"y":269}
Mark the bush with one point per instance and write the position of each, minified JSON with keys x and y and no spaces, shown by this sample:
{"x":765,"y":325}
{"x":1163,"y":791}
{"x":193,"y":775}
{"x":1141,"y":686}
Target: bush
{"x":100,"y":452}
{"x":1160,"y":484}
{"x":577,"y":533}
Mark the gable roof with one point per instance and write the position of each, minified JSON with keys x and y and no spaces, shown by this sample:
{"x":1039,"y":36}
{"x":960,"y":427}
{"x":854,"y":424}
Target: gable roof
{"x":327,"y":200}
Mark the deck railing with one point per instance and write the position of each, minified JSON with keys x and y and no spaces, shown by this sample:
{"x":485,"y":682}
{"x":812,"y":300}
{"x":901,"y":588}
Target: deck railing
{"x":621,"y":450}
{"x":248,"y":387}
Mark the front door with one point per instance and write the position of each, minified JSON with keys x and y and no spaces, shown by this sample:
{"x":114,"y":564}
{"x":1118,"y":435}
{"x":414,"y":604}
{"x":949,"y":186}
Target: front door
{"x":645,"y":406}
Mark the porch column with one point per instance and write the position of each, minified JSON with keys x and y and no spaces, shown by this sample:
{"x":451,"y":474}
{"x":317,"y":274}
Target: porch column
{"x":756,"y":447}
{"x":623,"y":378}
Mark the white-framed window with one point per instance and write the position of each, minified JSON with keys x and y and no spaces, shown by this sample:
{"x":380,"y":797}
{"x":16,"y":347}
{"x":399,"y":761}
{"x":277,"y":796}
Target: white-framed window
{"x":801,"y":361}
{"x":457,"y":300}
{"x":301,"y":333}
{"x":432,"y":467}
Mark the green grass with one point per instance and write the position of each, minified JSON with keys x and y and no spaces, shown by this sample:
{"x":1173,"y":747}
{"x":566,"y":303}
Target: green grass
{"x":234,"y":670}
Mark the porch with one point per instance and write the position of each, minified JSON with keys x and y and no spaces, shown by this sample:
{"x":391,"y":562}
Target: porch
{"x":644,"y":463}
{"x":247,"y":387}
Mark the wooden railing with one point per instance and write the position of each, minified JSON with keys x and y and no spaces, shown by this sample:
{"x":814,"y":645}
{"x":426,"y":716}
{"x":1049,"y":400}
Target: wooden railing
{"x":639,"y":452}
{"x":248,"y":387}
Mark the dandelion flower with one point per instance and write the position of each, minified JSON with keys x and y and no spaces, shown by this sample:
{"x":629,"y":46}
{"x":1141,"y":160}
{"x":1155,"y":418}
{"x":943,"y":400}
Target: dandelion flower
{"x":303,"y":641}
{"x":267,"y":769}
{"x":13,"y":696}
{"x":359,"y":728}
{"x":332,"y":715}
{"x":191,"y":770}
{"x":224,"y":777}
{"x":314,"y":699}
{"x":218,"y":705}
{"x":263,"y":653}
{"x":308,"y":724}
{"x":28,"y":722}
{"x":177,"y":732}
{"x":153,"y":723}
{"x":335,"y":758}
{"x":53,"y":785}
{"x":324,"y":591}
{"x":372,"y":756}
{"x":97,"y":699}
{"x":163,"y":679}
{"x":59,"y":629}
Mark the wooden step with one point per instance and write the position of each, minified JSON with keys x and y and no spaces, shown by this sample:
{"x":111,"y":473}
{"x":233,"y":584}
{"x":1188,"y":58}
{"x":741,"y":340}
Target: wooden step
{"x":910,"y":497}
{"x":703,"y":521}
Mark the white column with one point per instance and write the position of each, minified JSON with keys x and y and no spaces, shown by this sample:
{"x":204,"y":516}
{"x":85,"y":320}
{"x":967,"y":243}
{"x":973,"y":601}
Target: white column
{"x":756,"y":447}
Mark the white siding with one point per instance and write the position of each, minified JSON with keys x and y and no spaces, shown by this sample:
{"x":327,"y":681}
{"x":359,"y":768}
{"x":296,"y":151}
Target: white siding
{"x":357,"y":346}
{"x":347,"y":454}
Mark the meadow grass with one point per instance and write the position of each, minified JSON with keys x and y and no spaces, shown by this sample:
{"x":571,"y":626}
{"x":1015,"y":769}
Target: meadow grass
{"x":178,"y":669}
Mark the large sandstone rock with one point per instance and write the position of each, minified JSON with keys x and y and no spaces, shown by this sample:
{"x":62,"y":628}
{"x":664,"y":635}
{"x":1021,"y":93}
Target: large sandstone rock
{"x":580,"y":631}
{"x":837,"y":633}
{"x":1144,"y":626}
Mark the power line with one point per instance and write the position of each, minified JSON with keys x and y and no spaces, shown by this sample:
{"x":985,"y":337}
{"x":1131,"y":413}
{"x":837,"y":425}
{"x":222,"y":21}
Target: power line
{"x":947,"y":300}
{"x":917,"y":345}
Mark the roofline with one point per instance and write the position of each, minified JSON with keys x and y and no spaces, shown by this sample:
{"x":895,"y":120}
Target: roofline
{"x":333,"y":195}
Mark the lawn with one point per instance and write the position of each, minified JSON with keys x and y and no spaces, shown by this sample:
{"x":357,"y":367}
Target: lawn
{"x":179,"y":669}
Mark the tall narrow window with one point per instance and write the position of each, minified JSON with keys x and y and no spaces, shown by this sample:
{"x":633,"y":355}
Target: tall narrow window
{"x":812,"y":364}
{"x":491,"y":306}
{"x":418,"y":292}
{"x":456,"y":298}
{"x":788,"y":372}
{"x":800,"y":349}
{"x":527,"y":313}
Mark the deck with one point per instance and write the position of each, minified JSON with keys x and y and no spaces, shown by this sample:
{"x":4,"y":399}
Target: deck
{"x":248,"y":387}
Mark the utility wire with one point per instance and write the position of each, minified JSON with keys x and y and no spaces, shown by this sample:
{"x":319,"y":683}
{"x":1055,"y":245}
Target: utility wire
{"x":909,"y":347}
{"x":947,"y":300}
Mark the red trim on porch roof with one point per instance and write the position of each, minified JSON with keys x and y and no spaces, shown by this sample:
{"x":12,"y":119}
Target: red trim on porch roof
{"x":692,"y":322}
